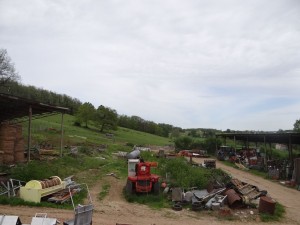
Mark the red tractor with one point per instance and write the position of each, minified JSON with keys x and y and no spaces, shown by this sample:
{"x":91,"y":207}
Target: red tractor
{"x":142,"y":181}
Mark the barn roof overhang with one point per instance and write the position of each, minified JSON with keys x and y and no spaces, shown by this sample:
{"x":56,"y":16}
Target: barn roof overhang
{"x":280,"y":138}
{"x":16,"y":109}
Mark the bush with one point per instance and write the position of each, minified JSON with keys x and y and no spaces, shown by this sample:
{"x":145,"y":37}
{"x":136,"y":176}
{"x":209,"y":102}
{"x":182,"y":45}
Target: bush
{"x":184,"y":175}
{"x":184,"y":142}
{"x":85,"y":150}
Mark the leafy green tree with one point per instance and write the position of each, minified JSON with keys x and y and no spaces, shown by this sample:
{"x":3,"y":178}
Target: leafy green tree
{"x":197,"y":144}
{"x":175,"y":132}
{"x":184,"y":142}
{"x":297,"y":126}
{"x":211,"y":144}
{"x":166,"y":129}
{"x":86,"y":112}
{"x":106,"y":118}
{"x":209,"y":133}
{"x":7,"y":69}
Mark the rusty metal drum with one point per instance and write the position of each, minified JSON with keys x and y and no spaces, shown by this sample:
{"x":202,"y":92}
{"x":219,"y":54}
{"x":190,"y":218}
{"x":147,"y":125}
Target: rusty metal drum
{"x":266,"y":205}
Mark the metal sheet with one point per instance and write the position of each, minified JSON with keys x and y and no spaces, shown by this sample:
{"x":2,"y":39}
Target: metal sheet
{"x":43,"y":221}
{"x":177,"y":194}
{"x":9,"y":220}
{"x":200,"y":193}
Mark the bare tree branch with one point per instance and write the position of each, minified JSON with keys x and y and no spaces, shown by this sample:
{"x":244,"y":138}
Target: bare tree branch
{"x":7,"y":69}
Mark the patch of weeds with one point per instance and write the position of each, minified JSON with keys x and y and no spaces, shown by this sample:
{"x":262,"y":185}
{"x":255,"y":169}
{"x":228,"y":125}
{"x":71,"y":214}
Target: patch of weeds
{"x":104,"y":192}
{"x":278,"y":214}
{"x":118,"y":166}
{"x":14,"y":201}
{"x":153,"y":201}
{"x":86,"y":150}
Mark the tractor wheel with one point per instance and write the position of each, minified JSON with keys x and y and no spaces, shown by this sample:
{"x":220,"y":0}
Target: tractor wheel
{"x":129,"y":187}
{"x":156,"y":188}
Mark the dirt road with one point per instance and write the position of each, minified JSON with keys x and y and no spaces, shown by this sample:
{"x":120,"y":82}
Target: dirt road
{"x":114,"y":209}
{"x":288,"y":197}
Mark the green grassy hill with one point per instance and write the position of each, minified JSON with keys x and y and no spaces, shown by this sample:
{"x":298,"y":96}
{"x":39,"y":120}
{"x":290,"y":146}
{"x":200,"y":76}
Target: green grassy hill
{"x":95,"y":152}
{"x":48,"y":130}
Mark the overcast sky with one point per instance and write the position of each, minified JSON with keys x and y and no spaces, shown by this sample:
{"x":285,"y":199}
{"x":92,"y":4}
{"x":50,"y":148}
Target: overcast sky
{"x":226,"y":64}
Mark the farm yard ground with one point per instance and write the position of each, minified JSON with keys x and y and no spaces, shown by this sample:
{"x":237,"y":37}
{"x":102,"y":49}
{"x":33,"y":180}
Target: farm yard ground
{"x":115,"y":209}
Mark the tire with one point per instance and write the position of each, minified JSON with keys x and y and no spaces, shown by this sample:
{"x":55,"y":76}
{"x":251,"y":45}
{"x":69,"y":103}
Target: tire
{"x":129,"y":187}
{"x":177,"y":207}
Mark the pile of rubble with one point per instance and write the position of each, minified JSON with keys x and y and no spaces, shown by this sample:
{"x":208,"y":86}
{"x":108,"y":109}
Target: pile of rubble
{"x":52,"y":189}
{"x":234,"y":195}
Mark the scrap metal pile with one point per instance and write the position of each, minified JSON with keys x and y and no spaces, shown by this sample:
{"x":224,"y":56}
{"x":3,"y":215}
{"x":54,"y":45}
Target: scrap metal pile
{"x":234,"y":195}
{"x":251,"y":158}
{"x":83,"y":214}
{"x":52,"y":189}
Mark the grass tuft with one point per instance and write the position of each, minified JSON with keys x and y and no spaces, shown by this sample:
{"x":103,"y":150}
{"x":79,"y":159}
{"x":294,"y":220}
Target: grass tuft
{"x":104,"y":192}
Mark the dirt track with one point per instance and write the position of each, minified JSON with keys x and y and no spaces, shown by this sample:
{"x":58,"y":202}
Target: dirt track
{"x":114,"y":209}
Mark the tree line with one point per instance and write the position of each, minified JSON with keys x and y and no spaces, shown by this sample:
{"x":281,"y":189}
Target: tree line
{"x":103,"y":117}
{"x":106,"y":118}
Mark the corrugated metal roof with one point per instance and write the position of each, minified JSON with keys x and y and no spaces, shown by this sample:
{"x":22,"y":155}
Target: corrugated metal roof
{"x":280,"y":138}
{"x":17,"y":108}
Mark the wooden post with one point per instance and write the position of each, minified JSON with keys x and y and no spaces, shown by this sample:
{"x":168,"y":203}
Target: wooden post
{"x":234,"y":144}
{"x":29,"y":134}
{"x":290,"y":150}
{"x":62,"y":134}
{"x":265,"y":151}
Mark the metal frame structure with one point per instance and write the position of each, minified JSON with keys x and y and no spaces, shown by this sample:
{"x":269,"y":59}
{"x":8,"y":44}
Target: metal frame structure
{"x":83,"y":214}
{"x":289,"y":139}
{"x":16,"y":109}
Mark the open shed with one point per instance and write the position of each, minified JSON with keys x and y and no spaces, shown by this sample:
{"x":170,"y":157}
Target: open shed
{"x":288,"y":139}
{"x":16,"y":109}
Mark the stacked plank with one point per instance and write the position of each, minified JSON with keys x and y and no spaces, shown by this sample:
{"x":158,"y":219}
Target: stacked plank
{"x":11,"y":144}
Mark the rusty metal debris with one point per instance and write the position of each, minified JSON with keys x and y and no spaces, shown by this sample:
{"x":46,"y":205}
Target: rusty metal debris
{"x":234,"y":200}
{"x":248,"y":191}
{"x":10,"y":186}
{"x":235,"y":194}
{"x":64,"y":195}
{"x":210,"y":163}
{"x":266,"y":205}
